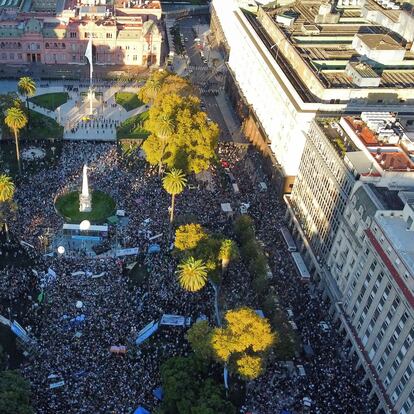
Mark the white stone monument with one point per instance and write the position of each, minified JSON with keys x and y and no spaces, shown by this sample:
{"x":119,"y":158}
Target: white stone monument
{"x":85,"y":199}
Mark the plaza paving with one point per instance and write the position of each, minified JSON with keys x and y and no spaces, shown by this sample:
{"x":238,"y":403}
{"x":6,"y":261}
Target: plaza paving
{"x":107,"y":114}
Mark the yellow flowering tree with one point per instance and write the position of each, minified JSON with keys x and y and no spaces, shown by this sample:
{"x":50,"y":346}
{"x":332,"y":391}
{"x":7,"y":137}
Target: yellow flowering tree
{"x":243,"y":341}
{"x":188,"y":236}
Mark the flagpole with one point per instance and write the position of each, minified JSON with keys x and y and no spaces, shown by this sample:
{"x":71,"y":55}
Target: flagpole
{"x":90,"y":81}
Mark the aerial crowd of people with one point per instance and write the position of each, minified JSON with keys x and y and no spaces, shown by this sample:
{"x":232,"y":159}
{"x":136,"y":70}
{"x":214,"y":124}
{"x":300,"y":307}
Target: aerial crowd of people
{"x":89,"y":304}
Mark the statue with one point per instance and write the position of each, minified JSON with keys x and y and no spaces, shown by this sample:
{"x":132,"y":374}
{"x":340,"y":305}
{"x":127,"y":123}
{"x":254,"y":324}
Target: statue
{"x":85,"y":199}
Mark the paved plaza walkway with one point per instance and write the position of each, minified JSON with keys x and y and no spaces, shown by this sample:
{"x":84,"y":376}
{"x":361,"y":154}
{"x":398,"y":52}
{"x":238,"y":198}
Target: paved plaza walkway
{"x":73,"y":115}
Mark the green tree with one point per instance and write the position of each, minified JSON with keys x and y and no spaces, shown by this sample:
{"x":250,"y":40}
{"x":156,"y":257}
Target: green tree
{"x":192,"y":274}
{"x":6,"y":195}
{"x":228,"y":251}
{"x":27,"y":88}
{"x":16,"y":120}
{"x":188,"y":392}
{"x":188,"y":236}
{"x":243,"y":228}
{"x":178,"y":380}
{"x":199,"y":336}
{"x":211,"y":400}
{"x":14,"y":394}
{"x":208,"y":251}
{"x":174,"y":183}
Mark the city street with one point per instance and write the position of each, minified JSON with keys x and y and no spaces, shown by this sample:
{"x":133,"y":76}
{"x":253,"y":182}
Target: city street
{"x":218,"y":107}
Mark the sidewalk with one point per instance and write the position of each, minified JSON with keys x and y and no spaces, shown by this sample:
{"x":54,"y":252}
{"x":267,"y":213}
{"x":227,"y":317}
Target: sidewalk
{"x":232,"y":125}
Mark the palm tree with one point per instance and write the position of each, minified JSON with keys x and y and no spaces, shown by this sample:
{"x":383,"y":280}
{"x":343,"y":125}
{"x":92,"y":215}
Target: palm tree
{"x":174,"y":183}
{"x":26,"y":87}
{"x":164,"y":130}
{"x":192,"y":274}
{"x":16,"y":120}
{"x":6,"y":195}
{"x":228,"y":251}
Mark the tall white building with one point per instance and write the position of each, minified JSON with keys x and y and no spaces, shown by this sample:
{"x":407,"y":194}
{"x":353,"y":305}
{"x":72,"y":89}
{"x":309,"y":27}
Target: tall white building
{"x":290,"y":63}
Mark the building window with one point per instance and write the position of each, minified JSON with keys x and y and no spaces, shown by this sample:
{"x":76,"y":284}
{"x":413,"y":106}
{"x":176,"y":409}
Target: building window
{"x":134,"y":58}
{"x":73,"y":58}
{"x":109,"y":35}
{"x":73,"y":35}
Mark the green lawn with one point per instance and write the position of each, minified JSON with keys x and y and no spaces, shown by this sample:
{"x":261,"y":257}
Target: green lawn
{"x":128,"y":100}
{"x":103,"y":206}
{"x":42,"y":127}
{"x":50,"y":101}
{"x":133,"y":127}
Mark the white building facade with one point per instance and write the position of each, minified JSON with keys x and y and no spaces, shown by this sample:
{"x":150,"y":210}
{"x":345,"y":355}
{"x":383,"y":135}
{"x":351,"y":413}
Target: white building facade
{"x":371,"y":269}
{"x":284,"y":102}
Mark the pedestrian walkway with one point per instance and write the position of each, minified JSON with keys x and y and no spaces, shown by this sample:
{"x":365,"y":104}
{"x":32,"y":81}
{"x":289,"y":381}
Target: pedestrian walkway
{"x":74,"y":114}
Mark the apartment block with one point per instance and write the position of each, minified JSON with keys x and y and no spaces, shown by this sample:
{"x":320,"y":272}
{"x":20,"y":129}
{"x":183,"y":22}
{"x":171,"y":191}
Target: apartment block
{"x":370,"y":273}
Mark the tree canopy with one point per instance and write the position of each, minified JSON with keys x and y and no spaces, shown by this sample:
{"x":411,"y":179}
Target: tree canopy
{"x":14,"y":394}
{"x":192,"y":274}
{"x":199,"y":336}
{"x":162,"y":83}
{"x":6,"y":188}
{"x":243,"y":341}
{"x":188,"y":236}
{"x":188,"y":392}
{"x":174,"y":183}
{"x":191,"y":141}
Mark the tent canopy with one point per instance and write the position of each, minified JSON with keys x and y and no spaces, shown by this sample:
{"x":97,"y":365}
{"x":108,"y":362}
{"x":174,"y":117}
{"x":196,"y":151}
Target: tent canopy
{"x":112,"y":220}
{"x":141,"y":410}
{"x":158,"y":393}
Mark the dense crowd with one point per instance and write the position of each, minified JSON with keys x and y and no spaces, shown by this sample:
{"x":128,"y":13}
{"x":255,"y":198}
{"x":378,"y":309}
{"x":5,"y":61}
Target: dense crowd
{"x":73,"y":339}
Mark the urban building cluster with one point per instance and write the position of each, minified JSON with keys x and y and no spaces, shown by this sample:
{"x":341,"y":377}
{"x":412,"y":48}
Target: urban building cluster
{"x":54,"y":32}
{"x":290,"y":61}
{"x":326,"y":89}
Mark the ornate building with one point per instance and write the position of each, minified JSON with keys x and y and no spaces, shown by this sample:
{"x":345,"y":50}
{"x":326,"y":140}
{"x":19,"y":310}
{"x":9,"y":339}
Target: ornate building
{"x":121,"y":36}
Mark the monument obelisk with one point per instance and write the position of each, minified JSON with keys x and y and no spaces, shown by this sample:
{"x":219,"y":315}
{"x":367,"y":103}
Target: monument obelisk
{"x":85,"y":199}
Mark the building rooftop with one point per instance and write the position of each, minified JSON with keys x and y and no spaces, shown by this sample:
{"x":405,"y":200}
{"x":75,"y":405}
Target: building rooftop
{"x":381,"y":137}
{"x":335,"y":134}
{"x":321,"y":37}
{"x":380,"y":41}
{"x":395,"y":229}
{"x":389,"y":199}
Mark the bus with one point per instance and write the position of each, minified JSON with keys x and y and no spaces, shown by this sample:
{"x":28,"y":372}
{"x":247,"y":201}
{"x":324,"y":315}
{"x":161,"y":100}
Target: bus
{"x":287,"y":237}
{"x":301,"y":266}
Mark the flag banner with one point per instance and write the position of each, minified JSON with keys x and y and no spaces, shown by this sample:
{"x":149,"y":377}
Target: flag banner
{"x":88,"y":54}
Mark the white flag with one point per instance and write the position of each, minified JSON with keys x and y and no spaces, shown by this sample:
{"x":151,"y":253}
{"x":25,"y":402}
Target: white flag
{"x":88,"y":53}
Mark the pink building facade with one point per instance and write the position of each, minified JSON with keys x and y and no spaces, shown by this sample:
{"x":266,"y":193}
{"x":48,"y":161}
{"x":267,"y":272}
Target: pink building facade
{"x":128,"y":39}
